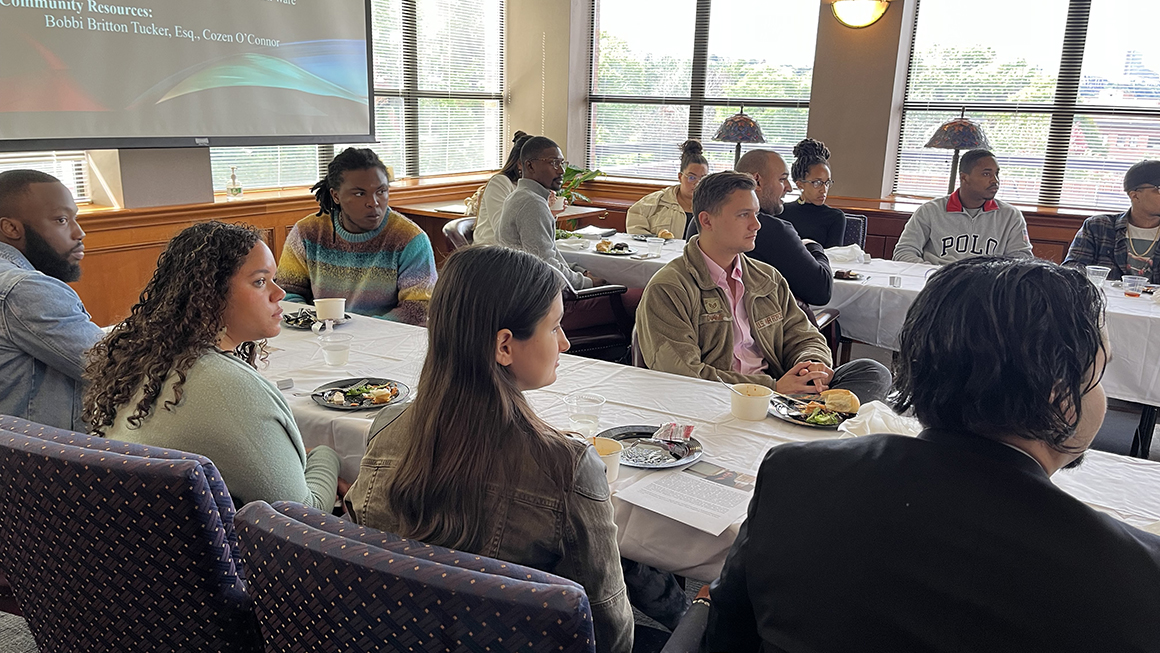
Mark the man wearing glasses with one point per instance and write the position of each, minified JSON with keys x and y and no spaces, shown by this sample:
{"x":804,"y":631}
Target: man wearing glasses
{"x":1125,"y":242}
{"x":526,"y":221}
{"x":968,"y":222}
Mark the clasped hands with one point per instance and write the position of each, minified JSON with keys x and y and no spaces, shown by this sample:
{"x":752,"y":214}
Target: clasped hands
{"x":807,"y":377}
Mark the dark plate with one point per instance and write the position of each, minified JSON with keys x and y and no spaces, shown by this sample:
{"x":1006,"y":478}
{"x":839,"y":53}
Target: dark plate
{"x":616,"y":252}
{"x":287,"y":317}
{"x":782,"y":409}
{"x":641,"y":436}
{"x":319,"y":399}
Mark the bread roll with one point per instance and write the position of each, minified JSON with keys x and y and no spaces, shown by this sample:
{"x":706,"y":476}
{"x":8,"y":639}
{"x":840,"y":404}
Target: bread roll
{"x":841,"y":401}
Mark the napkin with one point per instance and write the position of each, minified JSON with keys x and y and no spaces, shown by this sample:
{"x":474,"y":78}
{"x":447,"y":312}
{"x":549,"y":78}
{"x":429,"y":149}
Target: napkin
{"x":876,"y":417}
{"x":592,"y":231}
{"x":847,"y":254}
{"x":574,"y":244}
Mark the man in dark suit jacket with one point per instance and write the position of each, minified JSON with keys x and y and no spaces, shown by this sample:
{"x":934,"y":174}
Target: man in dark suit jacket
{"x":956,"y":540}
{"x":803,"y":263}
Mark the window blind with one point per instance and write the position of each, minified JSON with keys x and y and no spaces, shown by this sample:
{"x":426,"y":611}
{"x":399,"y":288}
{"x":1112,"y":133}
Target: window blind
{"x":1067,"y":106}
{"x":663,"y":72}
{"x":69,"y":167}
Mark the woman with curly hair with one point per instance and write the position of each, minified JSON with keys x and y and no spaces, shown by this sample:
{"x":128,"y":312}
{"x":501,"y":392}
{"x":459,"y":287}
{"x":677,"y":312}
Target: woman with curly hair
{"x":179,"y":372}
{"x":809,"y":215}
{"x":672,"y":208}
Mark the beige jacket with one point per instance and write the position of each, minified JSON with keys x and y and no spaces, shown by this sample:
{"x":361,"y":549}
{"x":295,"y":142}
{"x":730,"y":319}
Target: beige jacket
{"x":656,"y":211}
{"x":684,"y":322}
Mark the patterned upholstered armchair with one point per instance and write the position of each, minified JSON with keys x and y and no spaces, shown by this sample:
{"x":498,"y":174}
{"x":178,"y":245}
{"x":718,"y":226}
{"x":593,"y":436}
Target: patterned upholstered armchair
{"x":320,"y":583}
{"x":116,"y":546}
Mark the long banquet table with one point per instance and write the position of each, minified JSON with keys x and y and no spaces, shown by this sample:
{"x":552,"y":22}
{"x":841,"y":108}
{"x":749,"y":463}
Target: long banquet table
{"x":624,"y":270}
{"x":1125,"y":487}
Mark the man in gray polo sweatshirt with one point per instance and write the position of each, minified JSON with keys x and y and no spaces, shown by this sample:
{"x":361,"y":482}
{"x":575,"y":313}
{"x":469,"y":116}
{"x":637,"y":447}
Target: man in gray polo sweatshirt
{"x":969,"y":222}
{"x":526,"y":221}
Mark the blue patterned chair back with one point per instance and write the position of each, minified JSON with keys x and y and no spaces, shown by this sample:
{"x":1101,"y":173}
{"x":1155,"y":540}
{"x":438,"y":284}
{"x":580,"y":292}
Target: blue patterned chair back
{"x":111,"y":551}
{"x":324,"y":590}
{"x":855,"y":230}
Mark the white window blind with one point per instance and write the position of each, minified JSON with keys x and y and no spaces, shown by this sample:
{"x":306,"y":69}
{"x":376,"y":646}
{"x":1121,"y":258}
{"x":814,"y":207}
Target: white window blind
{"x":265,"y":167}
{"x":663,"y":72}
{"x":1067,"y":106}
{"x":68,"y":167}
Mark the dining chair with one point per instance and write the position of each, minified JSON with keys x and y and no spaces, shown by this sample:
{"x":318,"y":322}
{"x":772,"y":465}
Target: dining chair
{"x":611,"y":341}
{"x":116,"y":546}
{"x":459,"y":233}
{"x":319,"y":590}
{"x":855,"y":233}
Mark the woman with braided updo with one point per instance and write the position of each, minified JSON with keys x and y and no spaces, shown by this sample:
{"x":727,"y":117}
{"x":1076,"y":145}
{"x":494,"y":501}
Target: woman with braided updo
{"x":672,"y":208}
{"x":179,"y":372}
{"x":809,"y":215}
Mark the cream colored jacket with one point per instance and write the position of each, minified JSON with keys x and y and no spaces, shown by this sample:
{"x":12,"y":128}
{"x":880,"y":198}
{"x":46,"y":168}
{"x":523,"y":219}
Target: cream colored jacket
{"x":656,"y":211}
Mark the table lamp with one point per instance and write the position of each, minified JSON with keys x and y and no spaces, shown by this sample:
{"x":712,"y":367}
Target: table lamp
{"x":739,"y":128}
{"x":958,"y":134}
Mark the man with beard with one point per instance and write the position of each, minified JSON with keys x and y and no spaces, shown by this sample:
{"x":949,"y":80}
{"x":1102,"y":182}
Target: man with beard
{"x":968,"y":222}
{"x":955,"y":540}
{"x":526,"y":222}
{"x":44,"y":329}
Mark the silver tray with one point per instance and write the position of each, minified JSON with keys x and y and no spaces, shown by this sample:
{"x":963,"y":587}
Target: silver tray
{"x":641,"y":437}
{"x":319,"y":393}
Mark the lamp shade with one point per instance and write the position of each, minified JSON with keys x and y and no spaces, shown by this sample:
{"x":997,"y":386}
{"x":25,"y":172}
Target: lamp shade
{"x":958,"y":134}
{"x":739,"y":128}
{"x":859,"y":13}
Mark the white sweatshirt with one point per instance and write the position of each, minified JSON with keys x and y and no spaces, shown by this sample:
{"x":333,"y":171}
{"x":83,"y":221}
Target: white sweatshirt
{"x":941,"y":232}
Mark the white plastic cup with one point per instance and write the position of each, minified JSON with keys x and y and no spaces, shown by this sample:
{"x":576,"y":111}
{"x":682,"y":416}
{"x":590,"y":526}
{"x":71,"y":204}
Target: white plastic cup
{"x":336,"y":348}
{"x":330,"y":308}
{"x":557,"y":204}
{"x":1097,"y":274}
{"x":584,"y":412}
{"x":609,"y":452}
{"x":753,"y":402}
{"x":1133,"y":285}
{"x":654,"y":246}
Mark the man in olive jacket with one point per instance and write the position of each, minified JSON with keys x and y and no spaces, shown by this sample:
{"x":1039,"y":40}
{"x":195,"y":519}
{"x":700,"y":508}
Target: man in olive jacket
{"x":716,"y":313}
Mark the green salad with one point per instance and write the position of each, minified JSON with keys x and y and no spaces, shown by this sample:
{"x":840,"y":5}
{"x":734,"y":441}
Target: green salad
{"x":823,"y":417}
{"x":563,"y":234}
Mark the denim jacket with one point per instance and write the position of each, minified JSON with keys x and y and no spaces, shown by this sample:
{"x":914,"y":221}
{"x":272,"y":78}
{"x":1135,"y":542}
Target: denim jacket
{"x":1103,"y":240}
{"x":44,"y":334}
{"x":571,"y":535}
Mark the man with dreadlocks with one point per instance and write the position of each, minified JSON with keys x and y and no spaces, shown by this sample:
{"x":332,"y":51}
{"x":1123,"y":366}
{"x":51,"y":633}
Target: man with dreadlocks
{"x":44,"y":329}
{"x":358,"y":248}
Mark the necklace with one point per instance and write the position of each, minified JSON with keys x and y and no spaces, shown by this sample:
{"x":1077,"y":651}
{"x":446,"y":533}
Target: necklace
{"x":1132,"y":246}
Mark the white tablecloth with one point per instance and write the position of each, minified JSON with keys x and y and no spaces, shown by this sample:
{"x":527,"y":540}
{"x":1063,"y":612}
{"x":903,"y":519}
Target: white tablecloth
{"x":624,"y":270}
{"x":873,"y":312}
{"x":1126,"y":487}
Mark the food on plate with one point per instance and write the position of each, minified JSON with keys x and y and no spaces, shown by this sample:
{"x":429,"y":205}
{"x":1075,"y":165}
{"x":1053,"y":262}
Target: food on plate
{"x":608,"y":247}
{"x":823,"y":417}
{"x":302,"y":319}
{"x":363,"y":395}
{"x":841,"y":401}
{"x":564,"y":234}
{"x":666,"y":234}
{"x":848,"y":275}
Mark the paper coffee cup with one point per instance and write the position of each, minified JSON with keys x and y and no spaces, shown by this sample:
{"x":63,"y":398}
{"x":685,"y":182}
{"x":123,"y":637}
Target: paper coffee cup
{"x":330,"y":308}
{"x":609,"y":451}
{"x":753,"y":402}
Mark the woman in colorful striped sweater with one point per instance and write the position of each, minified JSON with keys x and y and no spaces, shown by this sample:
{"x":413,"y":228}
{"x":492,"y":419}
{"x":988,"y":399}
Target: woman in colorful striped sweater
{"x":358,"y":248}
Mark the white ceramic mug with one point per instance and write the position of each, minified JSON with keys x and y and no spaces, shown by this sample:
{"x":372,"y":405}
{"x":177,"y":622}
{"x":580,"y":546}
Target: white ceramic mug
{"x":330,"y":308}
{"x":753,"y":402}
{"x":609,"y":451}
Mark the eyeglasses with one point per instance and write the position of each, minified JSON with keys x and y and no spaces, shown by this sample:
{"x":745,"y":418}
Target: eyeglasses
{"x":1147,"y":187}
{"x":556,"y":163}
{"x":818,"y":183}
{"x":691,"y":178}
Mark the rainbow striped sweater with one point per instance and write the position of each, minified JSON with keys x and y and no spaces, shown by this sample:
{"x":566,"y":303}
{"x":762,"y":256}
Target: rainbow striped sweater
{"x":386,"y":273}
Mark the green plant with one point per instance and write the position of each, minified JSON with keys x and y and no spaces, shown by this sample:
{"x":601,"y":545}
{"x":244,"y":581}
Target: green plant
{"x":573,"y":177}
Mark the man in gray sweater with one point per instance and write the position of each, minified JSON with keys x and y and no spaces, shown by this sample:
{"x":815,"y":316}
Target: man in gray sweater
{"x":526,"y":221}
{"x":969,"y":222}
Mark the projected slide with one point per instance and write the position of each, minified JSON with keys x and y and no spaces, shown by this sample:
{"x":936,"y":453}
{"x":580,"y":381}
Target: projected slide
{"x":81,"y":69}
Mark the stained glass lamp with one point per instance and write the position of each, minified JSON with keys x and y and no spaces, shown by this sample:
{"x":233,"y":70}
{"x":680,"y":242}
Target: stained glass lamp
{"x":739,"y":128}
{"x":958,"y":134}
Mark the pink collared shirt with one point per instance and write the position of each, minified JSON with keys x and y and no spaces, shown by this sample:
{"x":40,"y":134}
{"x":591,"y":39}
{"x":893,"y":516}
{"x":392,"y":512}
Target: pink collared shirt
{"x":747,"y":356}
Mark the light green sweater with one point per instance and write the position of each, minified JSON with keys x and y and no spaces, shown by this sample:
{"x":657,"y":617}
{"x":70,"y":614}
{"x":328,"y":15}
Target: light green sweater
{"x":231,"y":415}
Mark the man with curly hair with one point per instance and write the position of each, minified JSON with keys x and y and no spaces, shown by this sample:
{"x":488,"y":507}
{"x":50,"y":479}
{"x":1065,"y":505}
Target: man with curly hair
{"x":44,"y":329}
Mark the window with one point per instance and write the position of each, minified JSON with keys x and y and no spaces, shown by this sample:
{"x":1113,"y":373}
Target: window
{"x":68,"y":167}
{"x":663,"y":72}
{"x":438,"y":94}
{"x":1067,"y":106}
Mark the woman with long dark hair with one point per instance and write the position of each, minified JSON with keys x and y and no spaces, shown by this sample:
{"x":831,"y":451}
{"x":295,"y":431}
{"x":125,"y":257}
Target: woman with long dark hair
{"x":810,"y":215}
{"x":179,"y":372}
{"x":496,"y":191}
{"x":672,"y":208}
{"x":470,"y":466}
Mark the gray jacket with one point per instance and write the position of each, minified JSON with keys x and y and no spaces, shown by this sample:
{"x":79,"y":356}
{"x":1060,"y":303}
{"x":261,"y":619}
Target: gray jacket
{"x":941,"y":232}
{"x":44,"y":334}
{"x":527,"y":223}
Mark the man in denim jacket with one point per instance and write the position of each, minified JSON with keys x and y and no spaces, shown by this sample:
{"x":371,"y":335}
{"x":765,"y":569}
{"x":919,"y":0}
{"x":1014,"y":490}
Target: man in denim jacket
{"x":44,"y":329}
